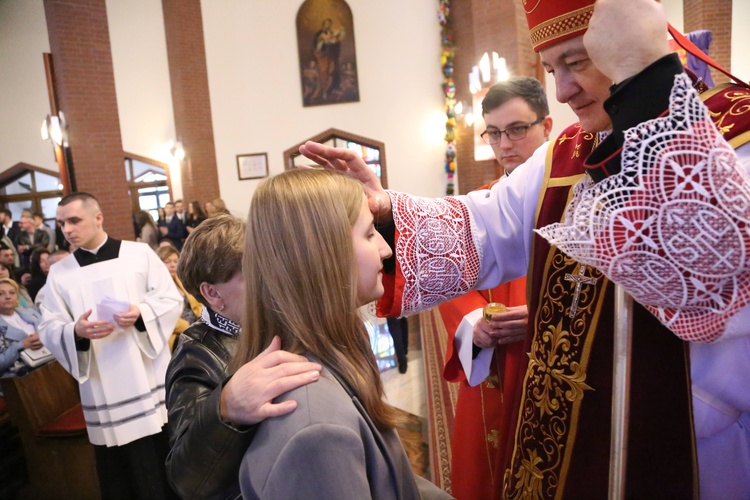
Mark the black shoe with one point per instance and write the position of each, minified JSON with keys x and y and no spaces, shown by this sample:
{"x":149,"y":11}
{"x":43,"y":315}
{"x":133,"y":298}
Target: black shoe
{"x":402,"y":367}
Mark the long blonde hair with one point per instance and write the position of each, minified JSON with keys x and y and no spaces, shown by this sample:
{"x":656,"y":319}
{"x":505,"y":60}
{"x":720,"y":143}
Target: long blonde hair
{"x":301,"y":284}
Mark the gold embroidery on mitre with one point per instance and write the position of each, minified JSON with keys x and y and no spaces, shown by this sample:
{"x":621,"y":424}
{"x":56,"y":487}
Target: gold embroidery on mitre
{"x":561,"y":26}
{"x":526,"y":8}
{"x":555,"y":383}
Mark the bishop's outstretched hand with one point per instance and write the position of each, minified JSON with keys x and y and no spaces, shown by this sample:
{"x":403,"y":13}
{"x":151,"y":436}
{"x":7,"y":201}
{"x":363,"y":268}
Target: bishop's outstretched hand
{"x":351,"y":164}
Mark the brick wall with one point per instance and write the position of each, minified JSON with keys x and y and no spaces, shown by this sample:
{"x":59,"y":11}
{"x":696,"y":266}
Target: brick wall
{"x":714,"y":15}
{"x":85,"y":89}
{"x":484,"y":26}
{"x":188,"y":74}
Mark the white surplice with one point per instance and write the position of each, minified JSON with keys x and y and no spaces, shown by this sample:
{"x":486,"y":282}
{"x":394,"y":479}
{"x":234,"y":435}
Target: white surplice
{"x":121,"y":376}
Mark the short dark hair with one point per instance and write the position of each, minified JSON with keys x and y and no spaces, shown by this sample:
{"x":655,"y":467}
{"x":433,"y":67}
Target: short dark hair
{"x":7,"y":212}
{"x":212,"y":254}
{"x":37,"y":214}
{"x":81,"y":196}
{"x":3,"y":246}
{"x":527,"y":88}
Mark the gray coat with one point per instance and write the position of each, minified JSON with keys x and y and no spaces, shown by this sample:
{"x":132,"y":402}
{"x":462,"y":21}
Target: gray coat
{"x":328,"y":448}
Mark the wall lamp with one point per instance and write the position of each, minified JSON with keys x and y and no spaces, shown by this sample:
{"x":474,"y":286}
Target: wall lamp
{"x":55,"y":128}
{"x":177,"y":150}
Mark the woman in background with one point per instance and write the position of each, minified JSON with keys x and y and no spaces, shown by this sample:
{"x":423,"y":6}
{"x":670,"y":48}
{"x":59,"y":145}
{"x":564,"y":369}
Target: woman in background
{"x":195,"y":216}
{"x":192,"y":309}
{"x":146,"y":229}
{"x":6,"y":271}
{"x":39,"y":268}
{"x":18,"y":328}
{"x":312,"y":258}
{"x":219,"y":207}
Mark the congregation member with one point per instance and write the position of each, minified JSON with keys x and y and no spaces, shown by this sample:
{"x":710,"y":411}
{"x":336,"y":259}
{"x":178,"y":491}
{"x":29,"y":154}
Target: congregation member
{"x":564,"y":413}
{"x":517,"y":122}
{"x":18,"y":329}
{"x":212,"y":416}
{"x":398,"y":328}
{"x":180,"y":211}
{"x":171,"y":227}
{"x":145,"y":229}
{"x":57,"y":256}
{"x":8,"y":256}
{"x":195,"y":215}
{"x":52,"y":259}
{"x":24,"y":240}
{"x":38,"y":270}
{"x":108,"y":311}
{"x":8,"y":271}
{"x":218,"y":207}
{"x":341,"y":440}
{"x":10,"y":228}
{"x":191,"y":309}
{"x":43,"y":234}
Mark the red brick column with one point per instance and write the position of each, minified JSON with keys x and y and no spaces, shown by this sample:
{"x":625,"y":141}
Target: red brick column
{"x":714,"y":15}
{"x":481,"y":26}
{"x":85,"y":88}
{"x":188,"y":72}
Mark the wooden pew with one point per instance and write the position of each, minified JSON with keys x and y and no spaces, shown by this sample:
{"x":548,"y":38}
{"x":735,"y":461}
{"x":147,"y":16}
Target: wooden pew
{"x":45,"y":406}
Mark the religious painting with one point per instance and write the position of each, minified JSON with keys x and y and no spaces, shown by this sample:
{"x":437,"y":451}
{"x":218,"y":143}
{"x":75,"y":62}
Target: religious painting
{"x":327,"y":58}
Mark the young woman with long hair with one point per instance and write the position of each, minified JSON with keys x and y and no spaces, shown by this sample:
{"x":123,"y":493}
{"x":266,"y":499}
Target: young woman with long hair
{"x":312,"y":258}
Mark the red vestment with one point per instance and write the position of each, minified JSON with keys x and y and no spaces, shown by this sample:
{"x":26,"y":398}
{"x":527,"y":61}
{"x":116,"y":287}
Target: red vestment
{"x":482,"y":425}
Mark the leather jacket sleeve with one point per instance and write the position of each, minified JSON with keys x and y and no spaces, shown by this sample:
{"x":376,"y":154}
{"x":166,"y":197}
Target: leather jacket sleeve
{"x":205,"y":451}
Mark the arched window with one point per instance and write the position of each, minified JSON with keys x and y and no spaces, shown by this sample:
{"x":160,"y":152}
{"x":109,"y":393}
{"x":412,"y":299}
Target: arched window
{"x":372,"y":151}
{"x":25,"y":186}
{"x":148,"y":183}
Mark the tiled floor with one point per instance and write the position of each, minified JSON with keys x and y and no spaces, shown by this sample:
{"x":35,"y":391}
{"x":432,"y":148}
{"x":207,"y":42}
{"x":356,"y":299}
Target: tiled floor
{"x":403,"y":390}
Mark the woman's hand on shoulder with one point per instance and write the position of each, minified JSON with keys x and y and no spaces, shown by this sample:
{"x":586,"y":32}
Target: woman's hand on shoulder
{"x":247,"y":398}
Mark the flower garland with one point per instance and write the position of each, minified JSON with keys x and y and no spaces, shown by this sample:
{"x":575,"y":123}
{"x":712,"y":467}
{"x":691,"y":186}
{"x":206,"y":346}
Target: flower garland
{"x":449,"y":89}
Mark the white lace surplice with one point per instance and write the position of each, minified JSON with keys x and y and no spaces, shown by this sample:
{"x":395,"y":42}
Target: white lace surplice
{"x":670,"y":227}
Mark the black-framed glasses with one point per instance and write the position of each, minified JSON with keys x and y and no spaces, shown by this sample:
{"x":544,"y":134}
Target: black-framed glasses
{"x":515,"y":133}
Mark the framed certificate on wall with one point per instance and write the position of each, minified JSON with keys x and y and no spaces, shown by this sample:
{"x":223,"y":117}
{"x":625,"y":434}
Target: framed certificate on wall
{"x":252,"y":166}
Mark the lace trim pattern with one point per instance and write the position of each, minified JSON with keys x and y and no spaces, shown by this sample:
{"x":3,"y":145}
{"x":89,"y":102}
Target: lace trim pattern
{"x":436,"y":250}
{"x":672,"y":226}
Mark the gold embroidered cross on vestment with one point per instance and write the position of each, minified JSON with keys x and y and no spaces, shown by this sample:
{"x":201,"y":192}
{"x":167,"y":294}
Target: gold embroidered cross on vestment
{"x":579,"y":279}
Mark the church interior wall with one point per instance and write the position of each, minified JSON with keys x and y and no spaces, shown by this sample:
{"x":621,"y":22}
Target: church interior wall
{"x":255,"y":90}
{"x":23,"y":88}
{"x":254,"y":83}
{"x":139,"y":61}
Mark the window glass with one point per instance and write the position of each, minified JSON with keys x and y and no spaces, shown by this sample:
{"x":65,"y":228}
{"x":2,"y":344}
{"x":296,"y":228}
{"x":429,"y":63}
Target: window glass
{"x":141,"y":169}
{"x":45,"y":182}
{"x":49,"y":208}
{"x":16,"y":207}
{"x":21,"y":185}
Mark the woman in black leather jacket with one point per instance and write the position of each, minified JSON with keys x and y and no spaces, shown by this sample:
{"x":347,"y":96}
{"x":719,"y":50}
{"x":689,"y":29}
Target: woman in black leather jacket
{"x":212,"y":417}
